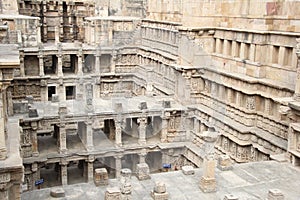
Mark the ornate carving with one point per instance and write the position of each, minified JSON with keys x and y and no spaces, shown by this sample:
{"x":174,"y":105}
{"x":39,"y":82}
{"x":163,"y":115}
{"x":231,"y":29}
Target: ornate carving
{"x":4,"y":178}
{"x":250,"y":103}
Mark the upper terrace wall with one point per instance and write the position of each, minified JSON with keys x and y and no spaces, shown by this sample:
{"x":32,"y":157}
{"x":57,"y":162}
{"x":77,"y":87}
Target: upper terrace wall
{"x":244,"y":14}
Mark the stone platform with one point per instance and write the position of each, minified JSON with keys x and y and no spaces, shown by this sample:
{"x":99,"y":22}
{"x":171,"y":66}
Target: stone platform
{"x":245,"y":181}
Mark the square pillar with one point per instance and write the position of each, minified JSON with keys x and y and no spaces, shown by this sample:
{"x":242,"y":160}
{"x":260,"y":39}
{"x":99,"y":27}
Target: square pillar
{"x":34,"y":141}
{"x":243,"y":52}
{"x":89,"y":135}
{"x":3,"y":150}
{"x":80,"y":64}
{"x":113,"y":64}
{"x":142,"y":130}
{"x":64,"y":173}
{"x":97,"y":64}
{"x":41,"y":65}
{"x":118,"y":135}
{"x":164,"y":130}
{"x":89,"y":171}
{"x":22,"y":66}
{"x":218,"y":46}
{"x":208,"y":180}
{"x":142,"y":156}
{"x":62,"y":139}
{"x":59,"y":65}
{"x":281,"y":56}
{"x":118,"y":166}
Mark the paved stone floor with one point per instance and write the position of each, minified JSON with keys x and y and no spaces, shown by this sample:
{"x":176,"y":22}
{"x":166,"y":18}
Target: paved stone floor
{"x":247,"y":181}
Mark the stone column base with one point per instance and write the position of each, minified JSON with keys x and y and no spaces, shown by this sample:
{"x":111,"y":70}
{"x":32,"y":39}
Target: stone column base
{"x":207,"y":184}
{"x":159,"y":196}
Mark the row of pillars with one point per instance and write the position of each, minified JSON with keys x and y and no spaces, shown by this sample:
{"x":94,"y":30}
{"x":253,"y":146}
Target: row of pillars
{"x":80,"y":64}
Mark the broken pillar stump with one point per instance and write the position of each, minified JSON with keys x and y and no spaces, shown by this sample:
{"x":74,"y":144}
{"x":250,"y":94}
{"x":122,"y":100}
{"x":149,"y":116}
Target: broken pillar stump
{"x":224,"y":163}
{"x":113,"y":193}
{"x":159,"y":192}
{"x":143,"y":171}
{"x":101,"y":177}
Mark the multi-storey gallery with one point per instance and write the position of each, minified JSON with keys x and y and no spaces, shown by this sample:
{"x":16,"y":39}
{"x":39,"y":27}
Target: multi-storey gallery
{"x":93,"y":91}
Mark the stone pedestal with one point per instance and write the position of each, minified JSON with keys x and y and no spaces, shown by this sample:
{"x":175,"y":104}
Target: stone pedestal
{"x":224,"y":163}
{"x":125,"y":184}
{"x":113,"y":193}
{"x":208,"y":184}
{"x":142,"y":171}
{"x":208,"y":181}
{"x":101,"y":177}
{"x":275,"y":194}
{"x":188,"y":170}
{"x":159,"y":192}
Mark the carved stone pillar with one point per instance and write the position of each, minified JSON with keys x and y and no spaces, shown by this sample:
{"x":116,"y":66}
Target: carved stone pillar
{"x":56,"y":34}
{"x":22,"y":67}
{"x":142,"y":156}
{"x":297,"y":87}
{"x":118,"y":166}
{"x":128,"y":125}
{"x":3,"y":192}
{"x":142,"y":130}
{"x":113,"y":63}
{"x":62,"y":138}
{"x":59,"y":65}
{"x":64,"y":173}
{"x":4,"y":181}
{"x":118,"y":139}
{"x":97,"y":61}
{"x":3,"y":150}
{"x":34,"y":141}
{"x":164,"y":129}
{"x":89,"y":135}
{"x":41,"y":65}
{"x":90,"y":169}
{"x":80,"y":64}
